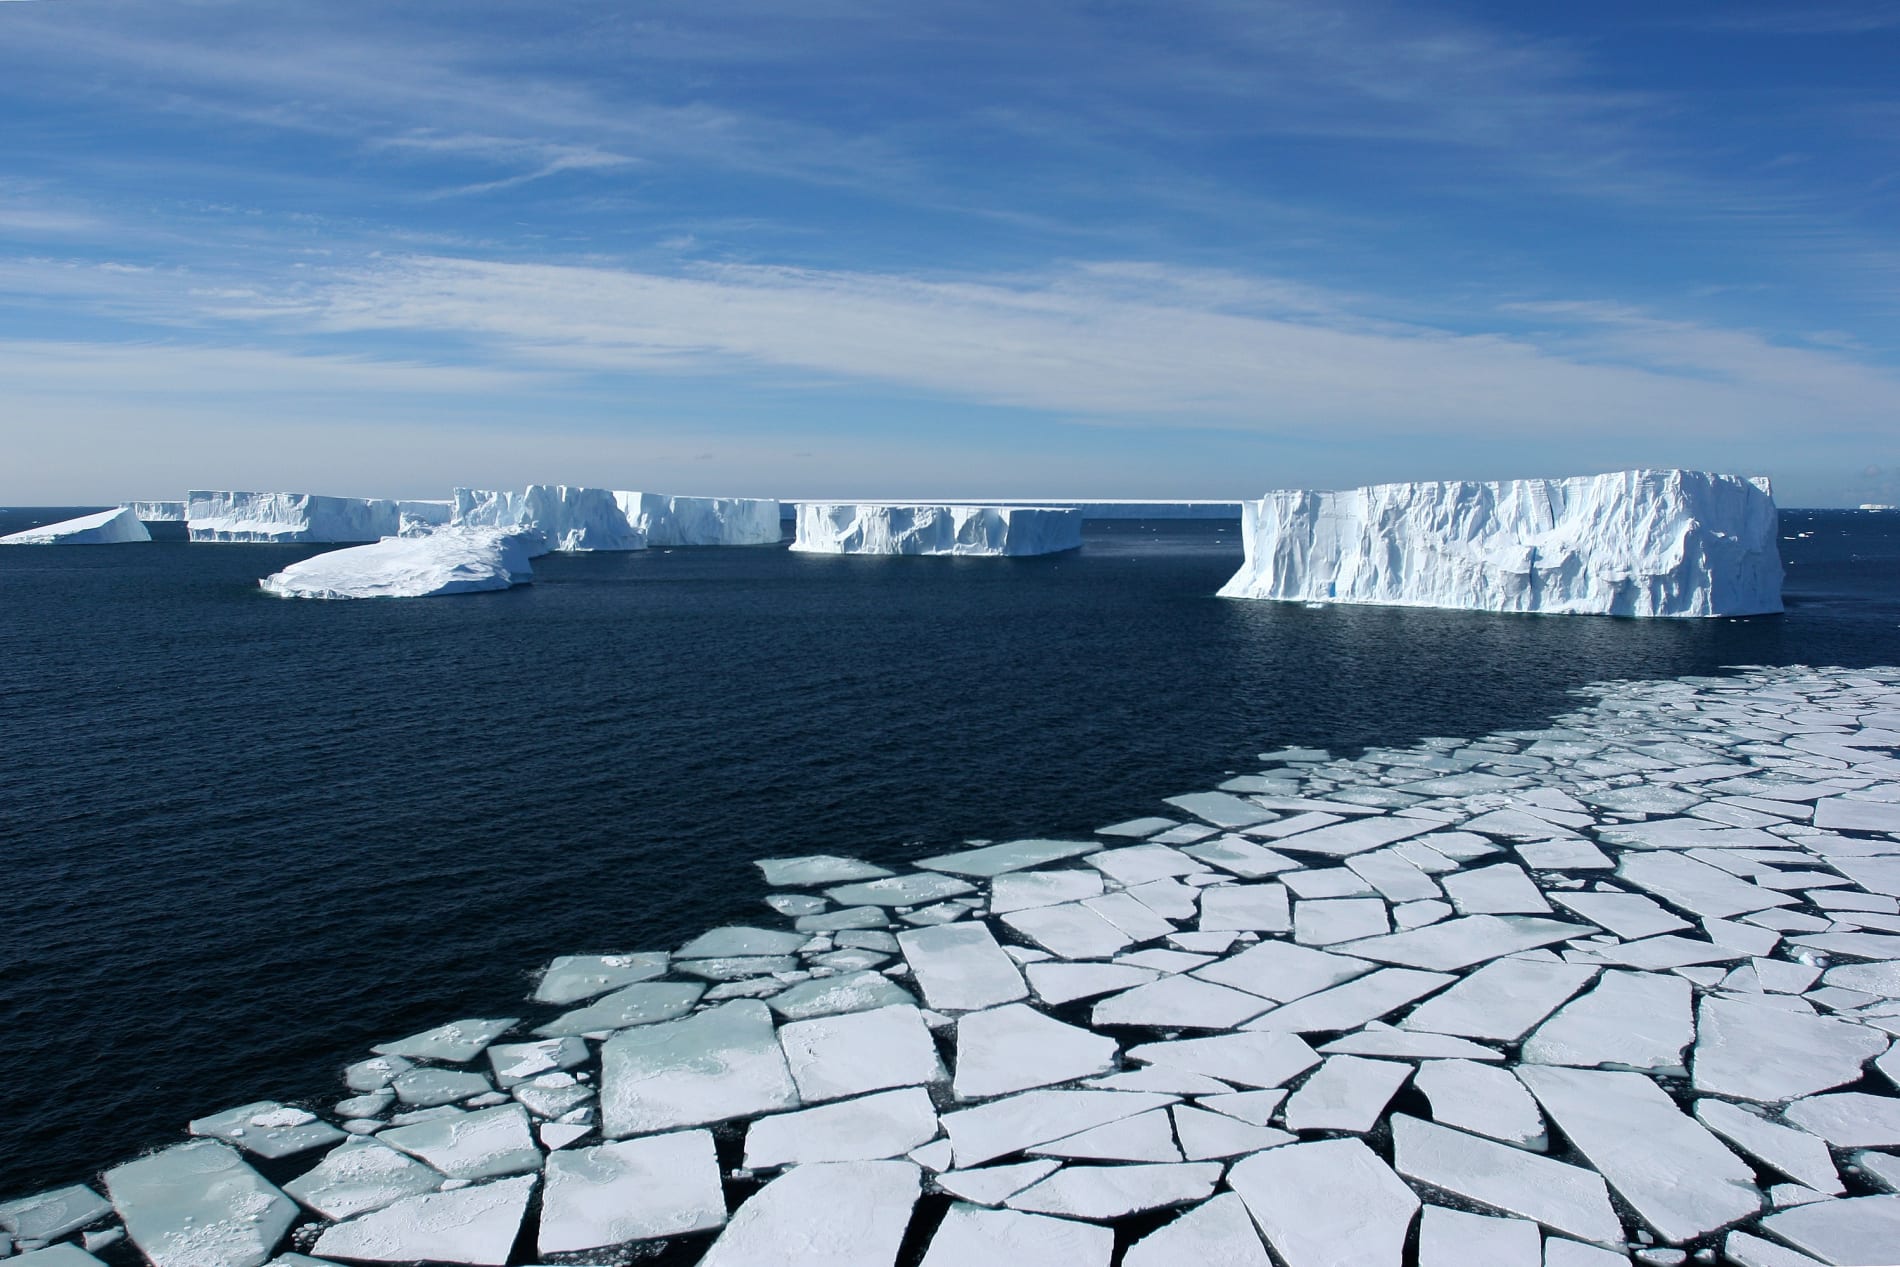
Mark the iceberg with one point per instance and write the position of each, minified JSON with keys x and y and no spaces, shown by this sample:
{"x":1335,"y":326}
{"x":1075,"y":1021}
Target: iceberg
{"x":288,"y":518}
{"x":570,"y":517}
{"x":868,"y":528}
{"x":449,"y":561}
{"x":161,"y":512}
{"x":108,"y":527}
{"x":703,"y":521}
{"x":1630,"y":543}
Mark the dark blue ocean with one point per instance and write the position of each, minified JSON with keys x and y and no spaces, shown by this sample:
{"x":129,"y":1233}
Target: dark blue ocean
{"x":242,"y":838}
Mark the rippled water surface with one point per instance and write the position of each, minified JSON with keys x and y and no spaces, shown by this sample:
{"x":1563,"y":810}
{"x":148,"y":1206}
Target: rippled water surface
{"x":244,"y":838}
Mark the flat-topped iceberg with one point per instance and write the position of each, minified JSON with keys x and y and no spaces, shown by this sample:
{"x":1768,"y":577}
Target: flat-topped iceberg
{"x":288,"y":518}
{"x":878,"y":528}
{"x":703,"y":521}
{"x":447,"y":561}
{"x":572,"y":518}
{"x":161,"y":512}
{"x":1630,"y":543}
{"x":108,"y":527}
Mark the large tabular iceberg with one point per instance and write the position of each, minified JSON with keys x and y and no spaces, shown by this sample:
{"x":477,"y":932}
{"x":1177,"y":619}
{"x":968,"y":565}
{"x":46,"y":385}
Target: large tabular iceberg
{"x":289,"y":517}
{"x":157,"y":512}
{"x":1631,"y":543}
{"x":572,"y":518}
{"x":866,"y":528}
{"x":108,"y":527}
{"x":703,"y":521}
{"x":447,"y":561}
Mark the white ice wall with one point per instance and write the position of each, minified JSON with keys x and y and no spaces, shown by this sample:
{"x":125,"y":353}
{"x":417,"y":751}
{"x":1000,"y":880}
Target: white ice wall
{"x":570,"y":517}
{"x":288,"y":517}
{"x":703,"y":521}
{"x":109,"y":527}
{"x":157,"y":512}
{"x":1630,"y":543}
{"x":859,"y":528}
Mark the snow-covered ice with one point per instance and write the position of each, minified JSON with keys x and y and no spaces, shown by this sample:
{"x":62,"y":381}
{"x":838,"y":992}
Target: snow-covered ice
{"x":1015,"y":1047}
{"x":832,"y":1214}
{"x":108,"y":527}
{"x":961,"y":968}
{"x":453,"y":561}
{"x":199,"y":1205}
{"x":971,"y":1236}
{"x":1632,"y":543}
{"x":631,"y":1190}
{"x":477,"y":1145}
{"x":1566,"y":1198}
{"x":359,"y":1175}
{"x":831,"y":1057}
{"x":870,"y":528}
{"x":1327,"y":1203}
{"x":717,"y":1064}
{"x":475,"y":1225}
{"x":883,"y":1124}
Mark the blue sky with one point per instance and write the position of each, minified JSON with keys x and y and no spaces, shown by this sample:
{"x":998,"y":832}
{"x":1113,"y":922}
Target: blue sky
{"x":1201,"y":248}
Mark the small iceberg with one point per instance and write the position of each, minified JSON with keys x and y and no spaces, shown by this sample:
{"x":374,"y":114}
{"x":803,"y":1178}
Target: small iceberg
{"x":449,"y":561}
{"x":108,"y":527}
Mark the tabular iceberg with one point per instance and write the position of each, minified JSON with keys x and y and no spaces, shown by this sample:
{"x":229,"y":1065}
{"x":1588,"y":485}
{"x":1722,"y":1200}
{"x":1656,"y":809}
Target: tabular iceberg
{"x":1630,"y":543}
{"x":157,"y":512}
{"x":703,"y":521}
{"x":572,"y":518}
{"x":447,"y":561}
{"x":288,"y":517}
{"x":108,"y":527}
{"x":869,"y":528}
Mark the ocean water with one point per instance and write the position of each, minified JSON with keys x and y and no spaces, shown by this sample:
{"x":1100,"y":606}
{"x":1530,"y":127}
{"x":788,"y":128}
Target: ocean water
{"x":242,"y":839}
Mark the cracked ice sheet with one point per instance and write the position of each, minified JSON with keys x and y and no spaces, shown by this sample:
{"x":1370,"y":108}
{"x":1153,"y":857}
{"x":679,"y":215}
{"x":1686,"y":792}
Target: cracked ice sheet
{"x":1069,"y":930}
{"x":1038,"y":1117}
{"x":633,"y":1190}
{"x":721,"y":1063}
{"x":1179,"y":1002}
{"x":960,"y":968}
{"x":1678,"y":1176}
{"x":1206,"y":1135}
{"x":1500,"y":889}
{"x":198,"y":1204}
{"x":1695,"y":886}
{"x":359,"y":1175}
{"x":1144,"y":1137}
{"x":970,"y":1236}
{"x":1244,"y":908}
{"x":1283,"y":971}
{"x":1057,"y":983}
{"x":869,"y":1128}
{"x":471,"y":1145}
{"x":1359,"y":835}
{"x":469,"y":1225}
{"x":1459,"y":943}
{"x":1025,"y":890}
{"x":1857,"y":1230}
{"x":643,"y":1004}
{"x":47,"y":1216}
{"x":1327,"y":1203}
{"x":832,"y":1214}
{"x":1797,"y":1154}
{"x":836,"y":1056}
{"x":1567,"y":1198}
{"x":1015,"y":1047}
{"x":1501,"y":1000}
{"x":1015,"y":855}
{"x":1347,"y":1093}
{"x":1635,"y":1020}
{"x":1454,"y":1238}
{"x":1351,"y":1005}
{"x":271,"y":1130}
{"x":1110,"y":1192}
{"x":1265,"y":1059}
{"x":1754,"y":1051}
{"x":1216,"y":1233}
{"x":1481,"y":1099}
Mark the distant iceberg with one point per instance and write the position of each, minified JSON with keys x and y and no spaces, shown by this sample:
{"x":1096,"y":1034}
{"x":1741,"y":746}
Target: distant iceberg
{"x":157,"y":512}
{"x":867,"y":528}
{"x":572,"y":518}
{"x":1631,"y":543}
{"x":108,"y":527}
{"x":289,"y":517}
{"x":703,"y":521}
{"x":447,"y":561}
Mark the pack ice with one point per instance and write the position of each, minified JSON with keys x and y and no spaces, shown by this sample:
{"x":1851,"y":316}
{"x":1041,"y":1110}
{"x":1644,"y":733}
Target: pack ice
{"x":871,"y":528}
{"x":448,"y":561}
{"x":108,"y":527}
{"x":1630,"y":543}
{"x":288,"y":518}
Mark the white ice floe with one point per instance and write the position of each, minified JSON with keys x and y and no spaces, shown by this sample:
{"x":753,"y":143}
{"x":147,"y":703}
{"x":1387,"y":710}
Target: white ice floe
{"x":1037,"y":1117}
{"x":1334,"y":920}
{"x":1797,"y":1154}
{"x":476,"y":1145}
{"x":632,"y":1190}
{"x":992,"y":1185}
{"x":1482,"y":1099}
{"x":1015,"y":1047}
{"x":1215,"y":1233}
{"x":1632,"y":543}
{"x":458,"y":1042}
{"x":1026,"y":890}
{"x":453,"y":561}
{"x":1503,"y":888}
{"x":1144,"y":1137}
{"x":1327,"y":1203}
{"x":1179,"y":1002}
{"x":1109,"y":1192}
{"x":572,"y":978}
{"x":199,"y":1205}
{"x":475,"y":1225}
{"x":268,"y":1129}
{"x":1630,"y":1020}
{"x":1352,"y":1004}
{"x":644,"y":1003}
{"x":1283,"y":971}
{"x":1070,"y":930}
{"x":884,"y":1124}
{"x":1696,"y":886}
{"x":832,"y":996}
{"x":1014,"y":855}
{"x":665,"y":520}
{"x":1347,"y":1093}
{"x":1755,"y":1051}
{"x":831,"y":1057}
{"x":1849,"y":1119}
{"x":1248,"y":1060}
{"x":722,"y":1063}
{"x":970,"y":1236}
{"x":108,"y":527}
{"x":49,"y":1215}
{"x":818,"y":868}
{"x":832,"y":1214}
{"x":960,"y":967}
{"x":1501,"y":1000}
{"x":359,"y":1175}
{"x":1459,"y":943}
{"x":1676,"y":1175}
{"x":1205,"y":1135}
{"x":518,"y":1062}
{"x":943,"y":530}
{"x":285,"y":518}
{"x":1565,"y":1198}
{"x":1857,"y":1230}
{"x":566,"y":517}
{"x":1064,"y":982}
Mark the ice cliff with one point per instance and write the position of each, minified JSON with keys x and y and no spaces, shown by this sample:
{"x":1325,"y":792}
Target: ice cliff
{"x":702,"y":521}
{"x":157,"y":512}
{"x":288,"y":517}
{"x":570,"y":517}
{"x":108,"y":527}
{"x":447,"y":561}
{"x":862,"y":528}
{"x":1630,"y":543}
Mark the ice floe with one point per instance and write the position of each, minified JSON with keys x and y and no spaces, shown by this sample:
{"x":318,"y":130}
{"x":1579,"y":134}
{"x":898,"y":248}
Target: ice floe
{"x":108,"y":527}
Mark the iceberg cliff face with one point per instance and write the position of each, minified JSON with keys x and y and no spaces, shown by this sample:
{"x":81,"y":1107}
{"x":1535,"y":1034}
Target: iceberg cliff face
{"x":857,"y":528}
{"x":1631,"y":543}
{"x":570,"y":517}
{"x":703,"y":521}
{"x":109,"y":527}
{"x":447,"y":561}
{"x":288,"y":517}
{"x":157,"y":512}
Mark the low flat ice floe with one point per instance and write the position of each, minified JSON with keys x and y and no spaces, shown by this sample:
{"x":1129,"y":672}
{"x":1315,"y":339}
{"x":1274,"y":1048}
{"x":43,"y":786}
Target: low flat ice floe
{"x":1623,"y":987}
